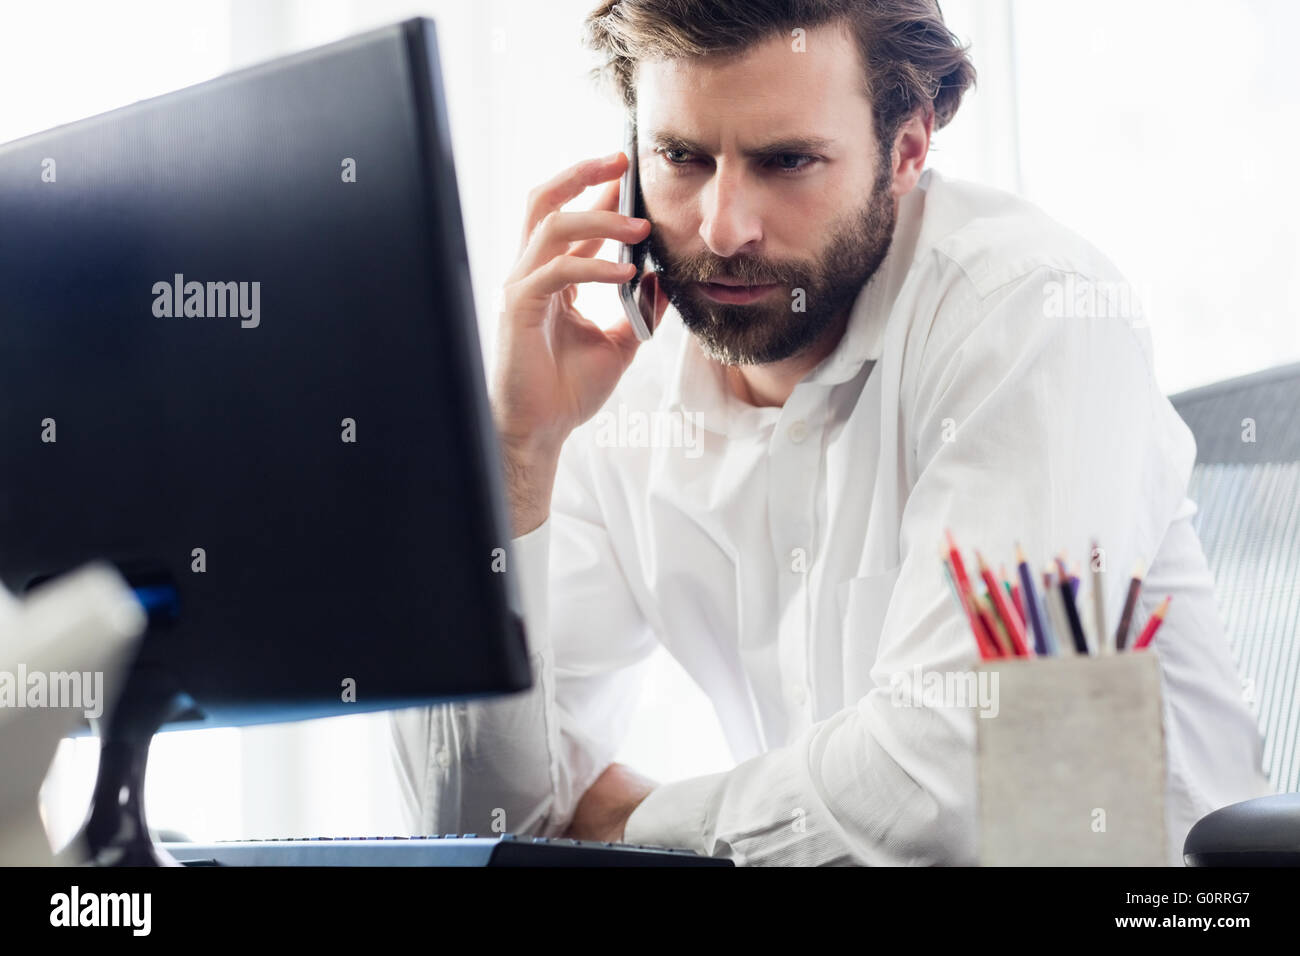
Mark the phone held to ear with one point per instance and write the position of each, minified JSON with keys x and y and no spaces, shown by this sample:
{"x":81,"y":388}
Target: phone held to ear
{"x":640,"y":314}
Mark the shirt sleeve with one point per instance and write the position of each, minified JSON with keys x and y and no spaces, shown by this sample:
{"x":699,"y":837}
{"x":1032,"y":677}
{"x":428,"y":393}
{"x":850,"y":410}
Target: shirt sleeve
{"x":1015,"y":425}
{"x":521,"y":763}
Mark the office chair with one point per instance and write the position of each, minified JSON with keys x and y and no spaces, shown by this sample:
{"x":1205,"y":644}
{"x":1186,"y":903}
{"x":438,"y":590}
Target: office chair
{"x":1246,"y":483}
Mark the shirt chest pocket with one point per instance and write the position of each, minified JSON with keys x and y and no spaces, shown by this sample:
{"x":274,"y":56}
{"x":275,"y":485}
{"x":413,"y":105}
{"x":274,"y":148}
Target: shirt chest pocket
{"x":862,"y":604}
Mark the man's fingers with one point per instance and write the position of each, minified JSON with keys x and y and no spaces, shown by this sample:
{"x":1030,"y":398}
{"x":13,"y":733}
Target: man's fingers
{"x":608,"y":196}
{"x":589,"y":248}
{"x":569,"y":184}
{"x":567,"y":270}
{"x":607,"y":200}
{"x":555,"y":233}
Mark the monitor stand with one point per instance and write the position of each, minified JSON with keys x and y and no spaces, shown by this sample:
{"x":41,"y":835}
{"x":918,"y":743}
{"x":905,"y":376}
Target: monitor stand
{"x":115,"y":832}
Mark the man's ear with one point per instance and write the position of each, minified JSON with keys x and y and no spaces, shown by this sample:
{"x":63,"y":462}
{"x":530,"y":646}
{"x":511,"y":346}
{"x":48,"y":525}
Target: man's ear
{"x":911,"y":145}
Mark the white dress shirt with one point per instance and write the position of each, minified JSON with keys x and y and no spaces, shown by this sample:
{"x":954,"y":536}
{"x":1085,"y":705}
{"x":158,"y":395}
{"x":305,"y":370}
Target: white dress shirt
{"x":788,"y":558}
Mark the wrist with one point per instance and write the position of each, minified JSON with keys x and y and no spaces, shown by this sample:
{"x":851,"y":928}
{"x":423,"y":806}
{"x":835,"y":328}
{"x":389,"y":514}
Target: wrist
{"x":533,"y":453}
{"x":530,"y":480}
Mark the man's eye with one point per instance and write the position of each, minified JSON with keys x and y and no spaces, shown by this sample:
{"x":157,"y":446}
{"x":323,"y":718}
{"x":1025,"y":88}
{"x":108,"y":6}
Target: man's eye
{"x":784,"y":163}
{"x":792,"y":162}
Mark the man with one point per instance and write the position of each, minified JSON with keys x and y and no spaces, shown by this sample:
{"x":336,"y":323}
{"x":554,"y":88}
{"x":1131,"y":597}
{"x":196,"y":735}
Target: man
{"x":872,"y":355}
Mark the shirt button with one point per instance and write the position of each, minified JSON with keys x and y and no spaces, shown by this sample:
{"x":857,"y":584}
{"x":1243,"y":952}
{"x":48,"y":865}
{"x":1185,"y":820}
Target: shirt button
{"x":797,"y":431}
{"x":800,"y":694}
{"x":443,"y":758}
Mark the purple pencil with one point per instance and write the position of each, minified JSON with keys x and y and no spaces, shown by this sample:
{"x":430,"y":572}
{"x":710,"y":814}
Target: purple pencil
{"x":1029,"y":596}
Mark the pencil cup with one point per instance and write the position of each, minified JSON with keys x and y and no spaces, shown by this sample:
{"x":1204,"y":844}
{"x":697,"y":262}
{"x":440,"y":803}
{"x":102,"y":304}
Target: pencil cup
{"x":1072,"y":765}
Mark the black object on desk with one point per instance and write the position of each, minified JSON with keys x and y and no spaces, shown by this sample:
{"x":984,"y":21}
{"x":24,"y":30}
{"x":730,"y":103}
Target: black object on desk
{"x":1260,"y":832}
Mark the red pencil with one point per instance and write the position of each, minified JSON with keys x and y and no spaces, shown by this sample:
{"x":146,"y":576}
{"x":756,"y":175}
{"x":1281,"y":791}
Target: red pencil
{"x":1016,"y":599}
{"x":1010,"y":619}
{"x":989,"y":617}
{"x":987,"y":651}
{"x":966,"y":591}
{"x":958,"y":566}
{"x":1149,"y":632}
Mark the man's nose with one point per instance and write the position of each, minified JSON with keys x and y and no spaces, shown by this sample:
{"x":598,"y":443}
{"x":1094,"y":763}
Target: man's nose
{"x":730,"y":221}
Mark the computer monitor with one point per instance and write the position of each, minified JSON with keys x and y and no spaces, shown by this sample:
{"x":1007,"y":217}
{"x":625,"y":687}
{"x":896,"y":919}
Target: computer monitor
{"x":239,"y":360}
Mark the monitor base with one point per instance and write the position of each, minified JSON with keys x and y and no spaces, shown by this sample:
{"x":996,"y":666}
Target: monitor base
{"x":115,"y":832}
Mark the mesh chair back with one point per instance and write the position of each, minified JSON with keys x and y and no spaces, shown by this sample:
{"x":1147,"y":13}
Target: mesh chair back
{"x":1246,"y":484}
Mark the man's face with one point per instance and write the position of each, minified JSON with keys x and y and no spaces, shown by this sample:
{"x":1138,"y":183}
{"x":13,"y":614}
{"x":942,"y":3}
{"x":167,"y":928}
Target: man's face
{"x":763,"y":170}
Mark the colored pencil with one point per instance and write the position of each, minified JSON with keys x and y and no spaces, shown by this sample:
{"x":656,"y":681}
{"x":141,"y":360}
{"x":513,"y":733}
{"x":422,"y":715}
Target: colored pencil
{"x":1126,"y":618}
{"x":990,"y":618}
{"x":1071,"y":612}
{"x":987,"y":650}
{"x":1098,"y":601}
{"x":963,"y":586}
{"x":1014,"y":590}
{"x":1004,"y":633}
{"x":1005,"y":612}
{"x":1030,"y":599}
{"x":1055,"y":616}
{"x":1149,"y":632}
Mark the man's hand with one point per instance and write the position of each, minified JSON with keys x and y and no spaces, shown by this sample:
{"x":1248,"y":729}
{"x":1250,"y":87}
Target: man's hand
{"x":604,"y":809}
{"x":555,"y":368}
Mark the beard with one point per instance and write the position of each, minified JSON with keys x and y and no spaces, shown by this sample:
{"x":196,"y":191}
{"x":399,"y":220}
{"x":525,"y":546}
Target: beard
{"x":782,"y":324}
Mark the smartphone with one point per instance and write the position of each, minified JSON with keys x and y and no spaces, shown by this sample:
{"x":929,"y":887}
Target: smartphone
{"x":640,"y":314}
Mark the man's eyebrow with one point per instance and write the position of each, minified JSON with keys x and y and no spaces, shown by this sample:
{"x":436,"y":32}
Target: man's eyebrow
{"x":786,"y":144}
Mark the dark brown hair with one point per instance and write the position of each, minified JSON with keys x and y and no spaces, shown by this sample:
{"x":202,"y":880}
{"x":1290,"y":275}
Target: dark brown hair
{"x":912,"y":60}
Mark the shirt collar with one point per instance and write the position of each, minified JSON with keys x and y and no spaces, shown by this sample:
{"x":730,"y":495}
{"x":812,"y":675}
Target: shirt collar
{"x":864,"y":335}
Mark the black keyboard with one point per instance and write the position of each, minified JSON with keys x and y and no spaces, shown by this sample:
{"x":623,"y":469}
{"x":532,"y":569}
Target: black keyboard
{"x":453,"y":849}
